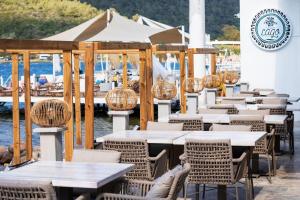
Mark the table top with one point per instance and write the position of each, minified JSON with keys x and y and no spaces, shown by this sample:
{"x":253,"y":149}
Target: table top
{"x":70,"y":174}
{"x":239,"y":138}
{"x":152,"y":137}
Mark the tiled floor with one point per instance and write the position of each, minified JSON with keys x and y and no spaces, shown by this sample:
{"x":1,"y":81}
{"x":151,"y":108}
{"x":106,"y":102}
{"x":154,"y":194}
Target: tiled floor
{"x":285,"y":185}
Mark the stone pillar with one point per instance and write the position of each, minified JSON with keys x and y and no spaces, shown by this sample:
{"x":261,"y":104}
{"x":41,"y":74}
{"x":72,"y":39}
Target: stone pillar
{"x":51,"y":143}
{"x":164,"y":110}
{"x":120,"y":119}
{"x":192,"y":103}
{"x":229,"y":90}
{"x":244,"y":87}
{"x":211,"y":95}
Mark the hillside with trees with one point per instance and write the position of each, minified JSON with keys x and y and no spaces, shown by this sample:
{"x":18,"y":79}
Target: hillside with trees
{"x":36,"y":19}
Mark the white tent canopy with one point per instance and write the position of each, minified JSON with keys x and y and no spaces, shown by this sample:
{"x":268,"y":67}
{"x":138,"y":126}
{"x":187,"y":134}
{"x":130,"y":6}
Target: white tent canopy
{"x":112,"y":27}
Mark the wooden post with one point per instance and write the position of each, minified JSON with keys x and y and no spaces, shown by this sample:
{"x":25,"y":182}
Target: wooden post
{"x":124,"y":55}
{"x":213,"y":63}
{"x":182,"y":79}
{"x":191,"y":64}
{"x":143,"y":92}
{"x":28,"y":123}
{"x":77,"y":99}
{"x":16,"y":114}
{"x":68,"y":98}
{"x":149,"y":83}
{"x":89,"y":95}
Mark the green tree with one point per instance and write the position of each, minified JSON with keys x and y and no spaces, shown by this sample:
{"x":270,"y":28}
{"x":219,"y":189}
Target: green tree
{"x":230,"y":33}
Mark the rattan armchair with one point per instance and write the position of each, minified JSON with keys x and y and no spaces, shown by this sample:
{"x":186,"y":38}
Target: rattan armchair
{"x":136,"y":152}
{"x":137,"y":189}
{"x":212,"y":163}
{"x":190,"y":122}
{"x":28,"y":189}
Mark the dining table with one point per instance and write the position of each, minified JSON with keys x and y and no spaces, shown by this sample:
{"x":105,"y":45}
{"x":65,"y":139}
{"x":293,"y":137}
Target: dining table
{"x":65,"y":176}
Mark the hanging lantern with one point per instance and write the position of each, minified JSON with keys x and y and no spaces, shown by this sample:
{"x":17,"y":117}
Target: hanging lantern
{"x":50,"y":113}
{"x":164,"y":90}
{"x":231,"y":77}
{"x":120,"y":99}
{"x":193,"y":85}
{"x":212,"y":81}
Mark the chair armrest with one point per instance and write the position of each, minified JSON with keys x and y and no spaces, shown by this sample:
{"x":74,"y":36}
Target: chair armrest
{"x":240,"y":159}
{"x":241,"y":163}
{"x":160,"y":164}
{"x":86,"y":196}
{"x":182,"y":158}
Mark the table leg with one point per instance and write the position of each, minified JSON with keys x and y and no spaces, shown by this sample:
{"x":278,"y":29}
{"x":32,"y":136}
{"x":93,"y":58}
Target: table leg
{"x":277,"y":144}
{"x":249,"y":180}
{"x":64,"y":193}
{"x":255,"y":163}
{"x":222,"y":192}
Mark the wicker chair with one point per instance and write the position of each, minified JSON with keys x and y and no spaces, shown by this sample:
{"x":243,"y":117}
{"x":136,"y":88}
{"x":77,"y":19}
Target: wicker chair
{"x":137,"y":190}
{"x":257,"y":123}
{"x":212,"y":163}
{"x":190,"y":122}
{"x":136,"y":152}
{"x":212,"y":111}
{"x":233,"y":101}
{"x":230,"y":107}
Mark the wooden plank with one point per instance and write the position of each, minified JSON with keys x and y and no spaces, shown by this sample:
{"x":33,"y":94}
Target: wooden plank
{"x":190,"y":64}
{"x":16,"y":114}
{"x":213,"y":63}
{"x":182,"y":79}
{"x":120,"y":45}
{"x":204,"y":50}
{"x":77,"y":99}
{"x":68,"y":98}
{"x":7,"y":44}
{"x":143,"y":92}
{"x":89,"y":95}
{"x":28,"y":123}
{"x":168,"y":48}
{"x":124,"y":56}
{"x":149,"y":83}
{"x":128,"y":51}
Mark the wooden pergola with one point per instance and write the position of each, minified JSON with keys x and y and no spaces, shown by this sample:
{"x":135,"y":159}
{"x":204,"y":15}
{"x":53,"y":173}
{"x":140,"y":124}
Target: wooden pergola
{"x":72,"y":51}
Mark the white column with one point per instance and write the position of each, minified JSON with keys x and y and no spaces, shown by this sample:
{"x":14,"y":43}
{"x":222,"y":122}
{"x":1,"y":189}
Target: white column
{"x":229,"y":90}
{"x":192,"y":103}
{"x":51,"y":143}
{"x":197,"y":33}
{"x":164,"y":110}
{"x":211,"y":96}
{"x":120,"y":120}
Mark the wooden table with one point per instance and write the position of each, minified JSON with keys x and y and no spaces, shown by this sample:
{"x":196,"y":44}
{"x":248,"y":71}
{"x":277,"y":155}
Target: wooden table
{"x":69,"y":175}
{"x":239,"y":139}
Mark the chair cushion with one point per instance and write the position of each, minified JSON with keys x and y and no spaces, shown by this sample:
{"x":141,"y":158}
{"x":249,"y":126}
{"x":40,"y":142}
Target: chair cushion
{"x":246,"y":117}
{"x":95,"y":156}
{"x":164,"y":126}
{"x":254,"y":112}
{"x":212,"y":111}
{"x":163,"y":184}
{"x":218,"y":127}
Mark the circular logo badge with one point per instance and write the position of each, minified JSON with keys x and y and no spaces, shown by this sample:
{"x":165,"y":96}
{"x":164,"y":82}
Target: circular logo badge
{"x":270,"y":29}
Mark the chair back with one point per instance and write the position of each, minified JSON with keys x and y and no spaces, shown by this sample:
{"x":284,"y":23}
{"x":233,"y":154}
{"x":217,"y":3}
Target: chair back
{"x":179,"y":181}
{"x":210,"y":160}
{"x":164,"y":126}
{"x":191,"y":122}
{"x":212,"y":111}
{"x":25,"y":189}
{"x":257,"y":123}
{"x":219,"y":127}
{"x":254,"y":112}
{"x":134,"y":152}
{"x":231,"y":109}
{"x":96,"y":156}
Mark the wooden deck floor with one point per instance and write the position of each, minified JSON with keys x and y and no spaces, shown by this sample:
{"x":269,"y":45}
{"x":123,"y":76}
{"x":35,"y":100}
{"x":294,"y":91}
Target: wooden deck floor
{"x":285,"y":185}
